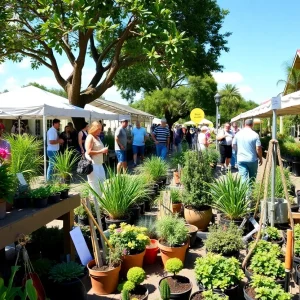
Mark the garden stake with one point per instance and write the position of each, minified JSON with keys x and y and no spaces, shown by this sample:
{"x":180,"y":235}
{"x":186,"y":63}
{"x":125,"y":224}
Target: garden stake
{"x":288,"y":259}
{"x":96,"y":224}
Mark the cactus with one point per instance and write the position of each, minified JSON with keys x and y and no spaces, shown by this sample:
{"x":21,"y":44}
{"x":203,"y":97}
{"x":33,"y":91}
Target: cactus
{"x":165,"y":290}
{"x":125,"y":295}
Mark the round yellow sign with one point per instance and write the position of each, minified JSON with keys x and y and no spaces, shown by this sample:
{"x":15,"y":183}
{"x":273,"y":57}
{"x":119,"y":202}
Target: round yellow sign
{"x":197,"y":115}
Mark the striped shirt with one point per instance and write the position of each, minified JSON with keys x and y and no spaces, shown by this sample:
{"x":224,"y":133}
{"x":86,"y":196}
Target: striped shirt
{"x":161,"y":134}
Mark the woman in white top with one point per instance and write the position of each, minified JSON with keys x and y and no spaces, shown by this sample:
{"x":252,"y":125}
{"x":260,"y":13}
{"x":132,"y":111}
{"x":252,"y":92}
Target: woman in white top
{"x":202,"y":138}
{"x":94,"y":152}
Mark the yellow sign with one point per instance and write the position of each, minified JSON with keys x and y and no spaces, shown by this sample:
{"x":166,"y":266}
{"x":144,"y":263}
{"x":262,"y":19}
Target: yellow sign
{"x":197,"y":115}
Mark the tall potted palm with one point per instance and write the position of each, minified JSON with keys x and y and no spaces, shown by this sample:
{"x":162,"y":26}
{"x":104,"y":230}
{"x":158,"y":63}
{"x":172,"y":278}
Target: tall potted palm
{"x":118,"y":193}
{"x":196,"y":175}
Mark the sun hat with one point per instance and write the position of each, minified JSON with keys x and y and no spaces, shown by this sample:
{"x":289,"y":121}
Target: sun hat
{"x":204,"y":128}
{"x":123,"y":120}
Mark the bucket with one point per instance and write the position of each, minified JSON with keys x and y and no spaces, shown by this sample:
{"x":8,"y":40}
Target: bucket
{"x":151,"y":252}
{"x":281,"y":210}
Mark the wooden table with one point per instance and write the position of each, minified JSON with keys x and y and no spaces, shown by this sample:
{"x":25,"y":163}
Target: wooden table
{"x":27,"y":220}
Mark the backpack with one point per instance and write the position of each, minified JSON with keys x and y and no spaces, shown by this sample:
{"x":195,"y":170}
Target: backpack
{"x":84,"y":167}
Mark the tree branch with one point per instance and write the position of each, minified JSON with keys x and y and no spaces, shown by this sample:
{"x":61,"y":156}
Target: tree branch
{"x":36,"y":57}
{"x":68,"y":51}
{"x":175,"y":83}
{"x":94,"y":51}
{"x":105,"y":51}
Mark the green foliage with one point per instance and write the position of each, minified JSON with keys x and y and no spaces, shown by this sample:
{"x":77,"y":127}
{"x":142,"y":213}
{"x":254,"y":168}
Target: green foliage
{"x":153,"y":168}
{"x":177,"y":158}
{"x":125,"y":295}
{"x":264,"y":247}
{"x":266,"y":289}
{"x":128,"y":286}
{"x":42,"y":266}
{"x":130,"y":238}
{"x":212,"y":155}
{"x":64,"y":163}
{"x":66,"y":272}
{"x":214,"y":271}
{"x":136,"y":275}
{"x":109,"y":140}
{"x":273,"y":233}
{"x":297,"y":240}
{"x":210,"y":295}
{"x":119,"y":192}
{"x":25,"y":155}
{"x":40,"y":192}
{"x":196,"y":175}
{"x":114,"y":257}
{"x":80,"y":210}
{"x":176,"y":195}
{"x":172,"y":230}
{"x":267,"y":264}
{"x":7,"y":184}
{"x":174,"y":265}
{"x":150,"y":223}
{"x":229,"y":194}
{"x":293,"y":79}
{"x":222,"y":239}
{"x":164,"y":289}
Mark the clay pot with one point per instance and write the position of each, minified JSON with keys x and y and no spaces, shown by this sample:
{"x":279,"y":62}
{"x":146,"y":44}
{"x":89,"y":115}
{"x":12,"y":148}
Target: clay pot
{"x":193,"y":233}
{"x":9,"y":206}
{"x":176,"y":207}
{"x":151,"y":252}
{"x":103,"y":282}
{"x":171,"y":252}
{"x":199,"y":218}
{"x":176,"y":177}
{"x":2,"y":209}
{"x":129,"y":261}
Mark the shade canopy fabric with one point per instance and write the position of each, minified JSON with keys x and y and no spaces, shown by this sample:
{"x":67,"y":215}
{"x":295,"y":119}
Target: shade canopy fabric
{"x":290,"y":105}
{"x":98,"y":113}
{"x":33,"y":103}
{"x":156,"y":121}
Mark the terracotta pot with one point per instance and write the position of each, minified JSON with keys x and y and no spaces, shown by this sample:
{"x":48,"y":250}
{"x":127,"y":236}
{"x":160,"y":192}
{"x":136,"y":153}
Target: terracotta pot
{"x":130,"y":261}
{"x":199,"y":218}
{"x":103,"y":282}
{"x":193,"y":233}
{"x":176,"y":207}
{"x":171,"y":252}
{"x":9,"y":206}
{"x":2,"y":209}
{"x":151,"y":252}
{"x":176,"y":177}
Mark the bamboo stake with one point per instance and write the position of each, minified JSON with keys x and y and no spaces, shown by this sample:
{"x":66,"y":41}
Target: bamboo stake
{"x":96,"y":224}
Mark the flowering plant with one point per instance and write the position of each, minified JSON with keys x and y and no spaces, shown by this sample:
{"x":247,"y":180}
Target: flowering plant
{"x":132,"y":239}
{"x":3,"y":154}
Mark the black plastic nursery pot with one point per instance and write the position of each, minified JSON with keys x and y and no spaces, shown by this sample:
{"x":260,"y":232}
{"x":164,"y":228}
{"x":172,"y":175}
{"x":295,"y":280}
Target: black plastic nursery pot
{"x":183,"y":295}
{"x":147,"y":205}
{"x":142,"y":208}
{"x":194,"y":295}
{"x":232,"y":292}
{"x":141,"y":291}
{"x":54,"y":198}
{"x":246,"y":295}
{"x":21,"y":203}
{"x":193,"y":234}
{"x":64,"y":194}
{"x":83,"y":220}
{"x":135,"y":213}
{"x":296,"y":262}
{"x":109,"y":221}
{"x":40,"y":202}
{"x":296,"y":168}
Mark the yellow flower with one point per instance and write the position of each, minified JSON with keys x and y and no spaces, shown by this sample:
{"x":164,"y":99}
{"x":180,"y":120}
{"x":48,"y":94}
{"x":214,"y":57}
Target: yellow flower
{"x":112,"y":226}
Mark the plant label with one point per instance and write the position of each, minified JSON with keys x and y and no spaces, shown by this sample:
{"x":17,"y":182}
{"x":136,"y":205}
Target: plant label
{"x":254,"y":223}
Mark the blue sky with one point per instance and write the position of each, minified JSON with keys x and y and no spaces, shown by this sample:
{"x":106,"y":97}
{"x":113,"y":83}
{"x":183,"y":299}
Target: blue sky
{"x":265,"y":34}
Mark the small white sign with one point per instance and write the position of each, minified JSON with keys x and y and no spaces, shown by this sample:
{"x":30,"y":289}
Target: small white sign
{"x":219,"y":116}
{"x":81,"y":246}
{"x":21,"y":179}
{"x":276,"y":102}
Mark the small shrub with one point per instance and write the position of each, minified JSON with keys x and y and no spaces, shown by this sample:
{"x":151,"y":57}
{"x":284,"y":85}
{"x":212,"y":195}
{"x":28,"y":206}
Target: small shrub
{"x":176,"y":196}
{"x":128,"y":286}
{"x":264,"y":246}
{"x":172,"y":230}
{"x":224,"y":240}
{"x":42,"y":266}
{"x":210,"y":295}
{"x":273,"y":233}
{"x":164,"y":290}
{"x":125,"y":295}
{"x":136,"y":275}
{"x":66,"y":272}
{"x":148,"y":222}
{"x":174,"y":265}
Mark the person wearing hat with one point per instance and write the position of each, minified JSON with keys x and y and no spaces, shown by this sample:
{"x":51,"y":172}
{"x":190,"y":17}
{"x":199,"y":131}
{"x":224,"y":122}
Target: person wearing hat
{"x":161,"y":137}
{"x":202,"y":138}
{"x":5,"y":145}
{"x":121,"y":145}
{"x":249,"y":152}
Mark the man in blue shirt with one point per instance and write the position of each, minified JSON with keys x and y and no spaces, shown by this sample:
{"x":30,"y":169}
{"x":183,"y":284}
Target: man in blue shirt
{"x":138,"y":144}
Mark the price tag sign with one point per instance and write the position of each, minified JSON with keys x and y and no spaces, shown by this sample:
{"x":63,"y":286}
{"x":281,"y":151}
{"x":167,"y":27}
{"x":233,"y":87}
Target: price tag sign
{"x":197,"y":115}
{"x":276,"y":102}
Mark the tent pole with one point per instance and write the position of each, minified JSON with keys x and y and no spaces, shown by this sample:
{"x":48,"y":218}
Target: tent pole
{"x":273,"y":177}
{"x":19,"y":125}
{"x":45,"y":145}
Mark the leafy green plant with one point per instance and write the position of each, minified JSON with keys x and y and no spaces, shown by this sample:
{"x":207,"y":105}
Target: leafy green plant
{"x":136,"y":275}
{"x":164,"y":289}
{"x":125,"y":295}
{"x":25,"y":155}
{"x":176,"y":195}
{"x":267,"y":264}
{"x":196,"y":175}
{"x":264,"y":247}
{"x":7,"y":184}
{"x":42,"y":266}
{"x":212,"y":156}
{"x":172,"y":230}
{"x":80,"y":210}
{"x":150,"y":223}
{"x":109,"y":140}
{"x":266,"y":289}
{"x":174,"y":265}
{"x":118,"y":193}
{"x":40,"y":192}
{"x":272,"y":232}
{"x":130,"y":238}
{"x":229,"y":194}
{"x":54,"y":189}
{"x":9,"y":292}
{"x":64,"y":164}
{"x":65,"y":272}
{"x":114,"y":257}
{"x":222,"y":239}
{"x":128,"y":286}
{"x":154,"y":168}
{"x":297,"y":231}
{"x":210,"y":295}
{"x":214,"y":271}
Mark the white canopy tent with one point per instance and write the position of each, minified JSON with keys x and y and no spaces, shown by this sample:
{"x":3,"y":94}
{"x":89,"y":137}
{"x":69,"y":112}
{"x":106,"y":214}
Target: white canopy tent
{"x":98,"y":113}
{"x":34,"y":103}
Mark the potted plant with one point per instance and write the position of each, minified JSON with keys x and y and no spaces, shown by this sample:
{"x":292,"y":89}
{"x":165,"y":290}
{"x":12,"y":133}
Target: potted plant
{"x":176,"y":198}
{"x":67,"y":282}
{"x":64,"y":190}
{"x":180,"y":286}
{"x":218,"y":273}
{"x":133,"y":241}
{"x":208,"y":295}
{"x":7,"y":188}
{"x":82,"y":216}
{"x":272,"y":234}
{"x":64,"y":163}
{"x":192,"y":233}
{"x":229,"y":195}
{"x":224,"y":240}
{"x":196,"y":175}
{"x":40,"y":196}
{"x":132,"y":288}
{"x":173,"y":237}
{"x":55,"y":192}
{"x":118,"y":193}
{"x":105,"y":278}
{"x":264,"y":288}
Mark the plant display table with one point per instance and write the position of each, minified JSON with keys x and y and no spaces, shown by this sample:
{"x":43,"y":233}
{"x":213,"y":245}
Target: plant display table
{"x":27,"y":220}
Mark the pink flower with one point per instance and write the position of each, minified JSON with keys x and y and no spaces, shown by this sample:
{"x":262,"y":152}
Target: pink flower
{"x":3,"y":153}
